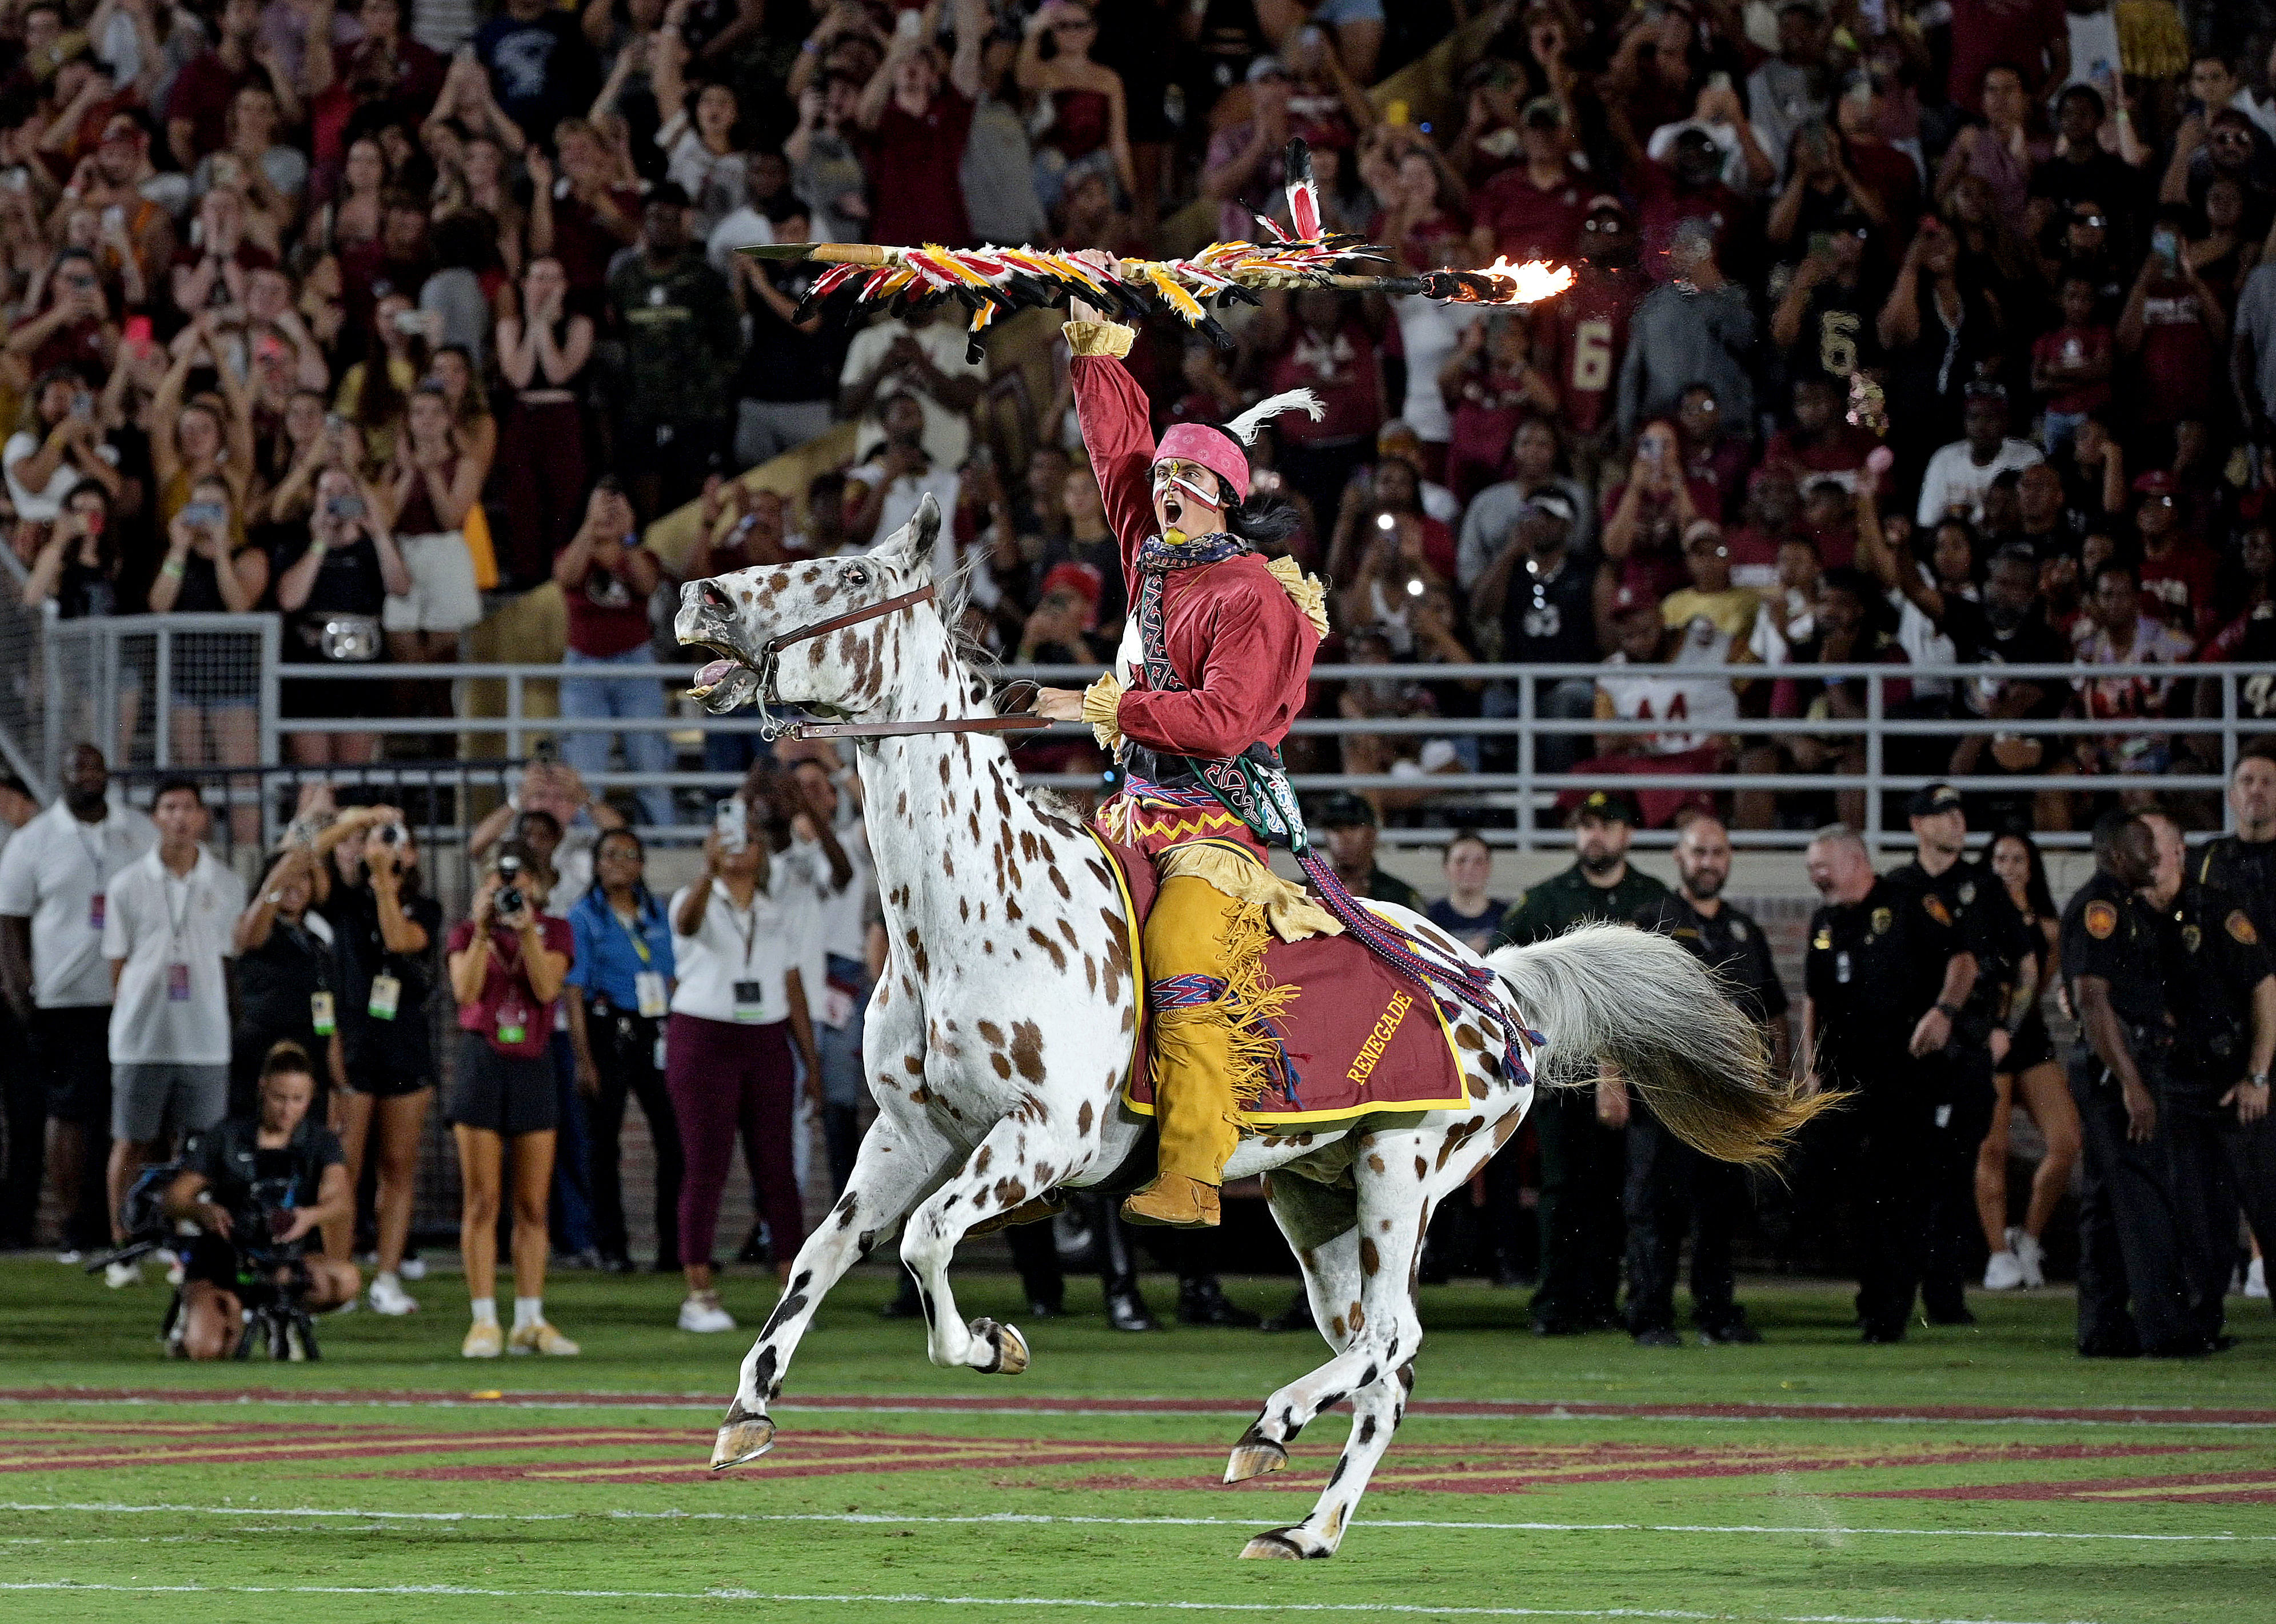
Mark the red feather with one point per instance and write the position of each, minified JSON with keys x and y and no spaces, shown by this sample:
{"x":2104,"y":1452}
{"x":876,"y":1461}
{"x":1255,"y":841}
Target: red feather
{"x":1304,"y":208}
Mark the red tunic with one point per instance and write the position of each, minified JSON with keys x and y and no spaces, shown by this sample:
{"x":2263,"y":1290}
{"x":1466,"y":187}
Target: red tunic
{"x":1235,"y":637}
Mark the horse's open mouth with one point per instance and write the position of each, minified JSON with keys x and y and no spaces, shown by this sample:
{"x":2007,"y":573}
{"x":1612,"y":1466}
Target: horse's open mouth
{"x":725,"y":683}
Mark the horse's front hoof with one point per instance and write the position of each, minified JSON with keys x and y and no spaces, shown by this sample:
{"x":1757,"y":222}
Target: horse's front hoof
{"x":742,"y":1437}
{"x":1253,"y":1457}
{"x":1278,"y":1544}
{"x":1011,"y":1347}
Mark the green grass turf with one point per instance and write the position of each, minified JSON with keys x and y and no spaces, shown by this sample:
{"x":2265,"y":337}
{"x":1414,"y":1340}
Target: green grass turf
{"x":1740,"y":1516}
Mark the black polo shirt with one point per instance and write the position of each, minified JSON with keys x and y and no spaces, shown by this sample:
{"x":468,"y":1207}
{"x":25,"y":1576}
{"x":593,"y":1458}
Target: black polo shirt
{"x":1727,"y":942}
{"x":1872,"y":969}
{"x":2213,"y":956}
{"x":1987,"y":926}
{"x":2246,"y":869}
{"x":2109,"y":932}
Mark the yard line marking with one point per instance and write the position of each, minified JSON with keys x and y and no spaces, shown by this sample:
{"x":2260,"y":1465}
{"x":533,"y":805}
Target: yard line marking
{"x":896,"y":1518}
{"x":1467,"y":1409}
{"x":727,"y":1594}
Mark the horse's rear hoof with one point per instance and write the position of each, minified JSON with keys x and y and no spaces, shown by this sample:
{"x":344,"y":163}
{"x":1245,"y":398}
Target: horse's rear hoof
{"x":1253,"y":1457}
{"x":742,"y":1437}
{"x":1011,"y":1347}
{"x":1277,"y":1545}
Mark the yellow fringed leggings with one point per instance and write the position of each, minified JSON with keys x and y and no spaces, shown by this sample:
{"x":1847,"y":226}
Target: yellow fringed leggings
{"x":1208,"y":1060}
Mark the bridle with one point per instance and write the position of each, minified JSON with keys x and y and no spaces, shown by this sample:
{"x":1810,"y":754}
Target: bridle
{"x":1014,"y":698}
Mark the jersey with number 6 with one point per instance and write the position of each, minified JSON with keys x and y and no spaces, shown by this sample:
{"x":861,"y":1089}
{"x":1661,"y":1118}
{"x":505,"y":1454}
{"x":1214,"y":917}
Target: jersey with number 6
{"x":1590,"y":323}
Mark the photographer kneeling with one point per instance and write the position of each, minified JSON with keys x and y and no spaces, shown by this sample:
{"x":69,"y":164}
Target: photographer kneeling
{"x":257,"y":1187}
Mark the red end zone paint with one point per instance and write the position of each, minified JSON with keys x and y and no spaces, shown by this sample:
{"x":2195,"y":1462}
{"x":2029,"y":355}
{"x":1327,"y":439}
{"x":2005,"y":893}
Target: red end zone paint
{"x":2134,"y":1415}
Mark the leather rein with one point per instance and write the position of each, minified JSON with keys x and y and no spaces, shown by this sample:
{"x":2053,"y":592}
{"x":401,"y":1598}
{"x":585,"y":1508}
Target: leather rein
{"x":1015,"y":698}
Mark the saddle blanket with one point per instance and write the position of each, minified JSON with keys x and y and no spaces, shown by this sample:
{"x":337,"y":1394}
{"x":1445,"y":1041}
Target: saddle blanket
{"x":1357,"y":1038}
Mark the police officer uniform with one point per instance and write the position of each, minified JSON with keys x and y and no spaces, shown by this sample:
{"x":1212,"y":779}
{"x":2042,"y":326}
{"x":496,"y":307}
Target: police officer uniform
{"x":1583,"y":1161}
{"x":2214,"y":958}
{"x":1872,"y":969}
{"x":1959,"y":1075}
{"x":2130,"y":1232}
{"x":2246,"y":869}
{"x":1671,"y":1186}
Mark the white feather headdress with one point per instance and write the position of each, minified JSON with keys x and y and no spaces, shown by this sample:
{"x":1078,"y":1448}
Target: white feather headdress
{"x":1244,"y":427}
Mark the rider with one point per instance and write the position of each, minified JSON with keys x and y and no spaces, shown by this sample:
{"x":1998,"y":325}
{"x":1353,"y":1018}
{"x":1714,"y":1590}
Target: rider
{"x":1228,"y":640}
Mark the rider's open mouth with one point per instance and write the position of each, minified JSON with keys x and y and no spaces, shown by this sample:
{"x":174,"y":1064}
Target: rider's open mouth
{"x":1173,"y":512}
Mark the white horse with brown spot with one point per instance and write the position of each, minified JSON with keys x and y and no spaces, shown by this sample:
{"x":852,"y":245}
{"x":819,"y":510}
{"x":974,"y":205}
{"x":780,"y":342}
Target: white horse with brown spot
{"x":1001,"y":1028}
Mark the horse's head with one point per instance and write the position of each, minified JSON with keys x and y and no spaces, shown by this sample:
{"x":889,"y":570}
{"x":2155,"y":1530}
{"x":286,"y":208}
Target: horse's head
{"x":762,"y":621}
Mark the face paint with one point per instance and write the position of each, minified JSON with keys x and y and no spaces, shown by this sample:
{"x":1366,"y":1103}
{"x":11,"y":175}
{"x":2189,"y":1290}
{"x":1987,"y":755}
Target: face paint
{"x":1198,"y":484}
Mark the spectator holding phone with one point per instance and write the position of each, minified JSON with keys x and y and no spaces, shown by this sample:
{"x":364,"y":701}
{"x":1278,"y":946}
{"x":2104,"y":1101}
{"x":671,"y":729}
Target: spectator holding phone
{"x":58,"y":445}
{"x":333,"y":596}
{"x":77,"y":565}
{"x":607,"y":577}
{"x":507,"y":964}
{"x":740,"y":1006}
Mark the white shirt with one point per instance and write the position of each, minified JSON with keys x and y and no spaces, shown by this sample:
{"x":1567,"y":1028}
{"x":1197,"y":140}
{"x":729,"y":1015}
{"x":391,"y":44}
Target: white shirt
{"x":763,"y":945}
{"x":1649,"y":694}
{"x":742,"y":228}
{"x":905,"y":494}
{"x":155,"y":921}
{"x":1953,"y":480}
{"x":2093,"y":51}
{"x":50,"y":873}
{"x":947,"y":434}
{"x":41,"y":507}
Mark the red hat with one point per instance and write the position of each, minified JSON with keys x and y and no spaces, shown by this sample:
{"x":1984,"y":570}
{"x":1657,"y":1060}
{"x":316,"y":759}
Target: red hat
{"x":1222,"y":451}
{"x":2157,"y":482}
{"x":1084,"y":580}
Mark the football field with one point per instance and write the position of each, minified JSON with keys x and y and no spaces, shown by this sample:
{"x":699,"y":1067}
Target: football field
{"x":1975,"y":1475}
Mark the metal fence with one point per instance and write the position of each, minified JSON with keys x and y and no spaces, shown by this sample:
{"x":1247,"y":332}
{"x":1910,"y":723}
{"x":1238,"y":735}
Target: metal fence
{"x":2228,"y":706}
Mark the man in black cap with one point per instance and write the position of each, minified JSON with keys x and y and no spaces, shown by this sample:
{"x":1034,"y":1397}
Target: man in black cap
{"x":1542,"y":594}
{"x":1583,"y":1158}
{"x":2134,"y":1296}
{"x":1670,"y":1186}
{"x":1882,"y":978}
{"x":1958,"y":1077}
{"x":1350,"y":824}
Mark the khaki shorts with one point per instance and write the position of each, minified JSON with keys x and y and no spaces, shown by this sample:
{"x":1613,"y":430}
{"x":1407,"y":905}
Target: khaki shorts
{"x":442,"y":595}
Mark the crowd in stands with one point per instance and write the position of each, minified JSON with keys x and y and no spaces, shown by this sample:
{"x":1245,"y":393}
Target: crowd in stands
{"x":1899,"y":336}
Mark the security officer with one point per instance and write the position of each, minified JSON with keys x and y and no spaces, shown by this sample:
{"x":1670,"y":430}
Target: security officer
{"x":1883,"y":977}
{"x":1582,"y":1155}
{"x":2222,"y":990}
{"x":2131,"y":1237}
{"x":1991,"y":933}
{"x":1670,"y":1185}
{"x":2244,"y":863}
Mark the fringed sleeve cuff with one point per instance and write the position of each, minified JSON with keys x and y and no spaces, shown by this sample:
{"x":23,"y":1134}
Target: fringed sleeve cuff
{"x":1100,"y":703}
{"x":1110,"y":338}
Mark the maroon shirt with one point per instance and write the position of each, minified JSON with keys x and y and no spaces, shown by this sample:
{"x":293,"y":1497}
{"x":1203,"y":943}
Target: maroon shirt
{"x":506,"y":987}
{"x":919,"y":158}
{"x":1529,"y":222}
{"x":2014,"y":32}
{"x":605,"y":615}
{"x":202,"y":92}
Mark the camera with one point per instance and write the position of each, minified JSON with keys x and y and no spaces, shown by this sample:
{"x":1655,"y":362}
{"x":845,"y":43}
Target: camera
{"x":344,"y":507}
{"x":509,"y":901}
{"x":391,"y":835}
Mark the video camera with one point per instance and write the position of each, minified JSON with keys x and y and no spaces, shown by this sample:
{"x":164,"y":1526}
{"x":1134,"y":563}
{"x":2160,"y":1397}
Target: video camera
{"x":271,"y":1280}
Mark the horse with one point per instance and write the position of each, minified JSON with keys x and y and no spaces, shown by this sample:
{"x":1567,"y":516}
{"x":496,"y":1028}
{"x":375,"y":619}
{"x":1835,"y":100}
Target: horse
{"x":1001,"y":1027}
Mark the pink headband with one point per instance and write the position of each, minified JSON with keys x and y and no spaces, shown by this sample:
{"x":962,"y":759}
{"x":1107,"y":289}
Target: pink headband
{"x":1213,"y":450}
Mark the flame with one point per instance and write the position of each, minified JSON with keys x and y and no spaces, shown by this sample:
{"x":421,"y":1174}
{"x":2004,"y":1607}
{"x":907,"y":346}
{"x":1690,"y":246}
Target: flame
{"x":1530,"y":282}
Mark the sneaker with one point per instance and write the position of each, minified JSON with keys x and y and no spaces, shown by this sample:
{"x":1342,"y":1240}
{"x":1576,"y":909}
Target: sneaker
{"x":388,"y":1297}
{"x":2255,"y":1277}
{"x":176,"y":1269}
{"x":483,"y":1343}
{"x":2032,"y":1255}
{"x":71,"y":1256}
{"x":414,"y":1268}
{"x":2004,"y":1273}
{"x":542,"y":1339}
{"x":117,"y":1275}
{"x":704,"y":1313}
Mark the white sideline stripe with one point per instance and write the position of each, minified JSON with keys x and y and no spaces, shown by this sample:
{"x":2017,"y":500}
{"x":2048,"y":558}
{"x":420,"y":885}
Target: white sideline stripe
{"x":2146,"y":1416}
{"x":897,"y":1519}
{"x":990,"y":1601}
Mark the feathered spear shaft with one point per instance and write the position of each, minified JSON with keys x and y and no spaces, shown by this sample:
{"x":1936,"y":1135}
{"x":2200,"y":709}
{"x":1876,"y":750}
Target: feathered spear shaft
{"x":992,"y":282}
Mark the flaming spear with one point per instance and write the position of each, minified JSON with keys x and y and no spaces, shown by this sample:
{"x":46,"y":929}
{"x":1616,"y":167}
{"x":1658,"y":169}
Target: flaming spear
{"x":992,"y":282}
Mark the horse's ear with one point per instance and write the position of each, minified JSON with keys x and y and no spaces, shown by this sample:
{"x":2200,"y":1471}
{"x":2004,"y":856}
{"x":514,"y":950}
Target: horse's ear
{"x":909,"y":549}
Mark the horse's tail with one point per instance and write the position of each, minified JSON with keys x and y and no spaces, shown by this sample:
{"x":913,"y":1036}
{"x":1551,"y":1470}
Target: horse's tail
{"x":1642,"y":1006}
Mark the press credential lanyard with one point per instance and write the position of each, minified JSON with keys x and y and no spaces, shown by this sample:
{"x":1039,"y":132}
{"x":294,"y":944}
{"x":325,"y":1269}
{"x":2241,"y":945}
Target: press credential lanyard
{"x":95,"y":853}
{"x":177,"y":972}
{"x":750,"y":1005}
{"x":648,"y":984}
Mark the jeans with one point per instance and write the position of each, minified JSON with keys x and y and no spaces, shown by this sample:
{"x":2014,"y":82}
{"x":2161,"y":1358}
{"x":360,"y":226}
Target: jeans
{"x":767,"y":428}
{"x":598,"y":699}
{"x":572,"y":1174}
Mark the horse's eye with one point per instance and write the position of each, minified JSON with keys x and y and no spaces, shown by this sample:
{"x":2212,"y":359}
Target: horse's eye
{"x":856,"y":576}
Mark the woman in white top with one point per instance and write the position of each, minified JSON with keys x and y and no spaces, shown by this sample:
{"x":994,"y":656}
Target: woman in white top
{"x":739,"y":1006}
